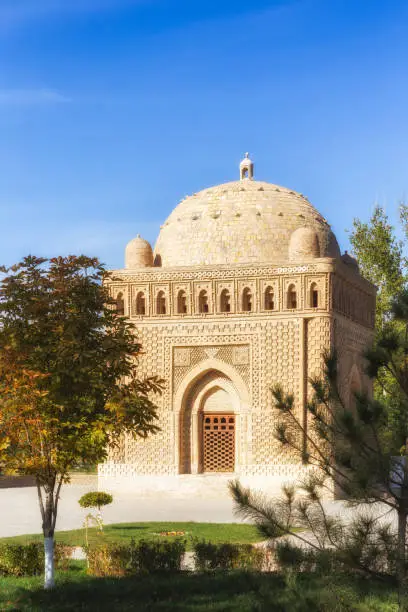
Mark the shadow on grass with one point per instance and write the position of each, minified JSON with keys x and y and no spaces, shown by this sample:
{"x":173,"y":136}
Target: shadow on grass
{"x":221,"y":592}
{"x":124,"y":528}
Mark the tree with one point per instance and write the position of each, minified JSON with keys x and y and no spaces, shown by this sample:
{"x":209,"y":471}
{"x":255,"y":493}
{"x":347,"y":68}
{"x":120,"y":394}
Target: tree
{"x":94,"y":499}
{"x":380,"y":257}
{"x":68,"y":377}
{"x":345,"y":448}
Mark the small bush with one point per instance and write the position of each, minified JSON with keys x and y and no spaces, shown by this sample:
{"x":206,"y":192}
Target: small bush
{"x":95,"y":499}
{"x":108,"y":560}
{"x":62,"y":556}
{"x":209,"y":556}
{"x":156,"y":556}
{"x":292,"y":557}
{"x":28,"y":559}
{"x":21,"y":560}
{"x":143,"y":557}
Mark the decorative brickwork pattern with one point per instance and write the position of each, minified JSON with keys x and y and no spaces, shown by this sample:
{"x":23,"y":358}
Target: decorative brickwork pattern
{"x":247,"y":291}
{"x":350,"y":341}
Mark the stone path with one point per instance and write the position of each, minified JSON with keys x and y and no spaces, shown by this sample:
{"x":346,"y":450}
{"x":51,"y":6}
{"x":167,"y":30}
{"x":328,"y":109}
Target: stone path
{"x":20,"y":514}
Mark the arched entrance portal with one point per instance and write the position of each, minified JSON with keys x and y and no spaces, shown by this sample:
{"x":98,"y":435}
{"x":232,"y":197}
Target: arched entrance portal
{"x":208,"y":425}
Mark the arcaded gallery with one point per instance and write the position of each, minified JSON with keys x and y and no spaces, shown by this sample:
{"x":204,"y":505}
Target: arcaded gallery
{"x":245,"y":287}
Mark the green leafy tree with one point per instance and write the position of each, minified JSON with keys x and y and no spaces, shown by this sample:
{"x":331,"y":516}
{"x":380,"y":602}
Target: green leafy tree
{"x":68,"y":377}
{"x":345,"y":449}
{"x":380,"y":257}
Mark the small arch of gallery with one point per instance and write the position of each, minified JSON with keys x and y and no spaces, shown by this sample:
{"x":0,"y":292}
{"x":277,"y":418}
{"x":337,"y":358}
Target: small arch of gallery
{"x":270,"y":299}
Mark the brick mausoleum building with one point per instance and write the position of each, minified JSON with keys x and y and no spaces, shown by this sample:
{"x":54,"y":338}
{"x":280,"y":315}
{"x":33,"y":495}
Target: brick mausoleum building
{"x":245,"y":288}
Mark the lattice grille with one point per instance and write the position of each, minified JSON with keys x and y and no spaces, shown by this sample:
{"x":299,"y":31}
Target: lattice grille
{"x":218,"y":442}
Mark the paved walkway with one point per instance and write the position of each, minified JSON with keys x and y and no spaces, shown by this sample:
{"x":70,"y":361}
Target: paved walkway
{"x":20,"y":513}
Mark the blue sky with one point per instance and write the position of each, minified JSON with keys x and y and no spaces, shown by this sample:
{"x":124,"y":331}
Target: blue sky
{"x":111,"y":111}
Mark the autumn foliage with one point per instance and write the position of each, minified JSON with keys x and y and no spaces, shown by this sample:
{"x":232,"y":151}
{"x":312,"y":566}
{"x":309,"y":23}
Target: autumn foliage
{"x":69,"y":383}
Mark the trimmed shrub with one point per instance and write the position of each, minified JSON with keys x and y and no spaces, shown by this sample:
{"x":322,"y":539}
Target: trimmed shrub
{"x":143,"y":557}
{"x":108,"y":560}
{"x":62,"y":556}
{"x":209,"y":556}
{"x":156,"y":556}
{"x":28,"y":559}
{"x":21,"y":560}
{"x":95,"y":499}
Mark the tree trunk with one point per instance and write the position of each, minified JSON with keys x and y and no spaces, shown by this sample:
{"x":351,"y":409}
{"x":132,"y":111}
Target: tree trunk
{"x":402,"y":534}
{"x":48,"y":508}
{"x":48,"y":531}
{"x":49,"y":579}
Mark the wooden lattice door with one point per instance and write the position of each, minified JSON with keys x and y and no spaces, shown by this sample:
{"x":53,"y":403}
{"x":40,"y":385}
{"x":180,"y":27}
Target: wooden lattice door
{"x":218,"y":442}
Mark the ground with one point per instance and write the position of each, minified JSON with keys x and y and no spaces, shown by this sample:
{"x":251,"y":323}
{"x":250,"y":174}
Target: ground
{"x":222,"y":592}
{"x":230,"y":592}
{"x":20,"y":512}
{"x":123,"y":533}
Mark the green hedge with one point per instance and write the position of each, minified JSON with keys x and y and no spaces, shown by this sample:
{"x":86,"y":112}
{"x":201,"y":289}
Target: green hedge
{"x":108,"y":560}
{"x":143,"y":557}
{"x":157,"y":556}
{"x":28,"y":559}
{"x":209,"y":556}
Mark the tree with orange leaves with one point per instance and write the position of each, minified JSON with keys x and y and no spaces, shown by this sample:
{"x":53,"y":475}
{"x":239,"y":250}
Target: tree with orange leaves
{"x":68,"y":377}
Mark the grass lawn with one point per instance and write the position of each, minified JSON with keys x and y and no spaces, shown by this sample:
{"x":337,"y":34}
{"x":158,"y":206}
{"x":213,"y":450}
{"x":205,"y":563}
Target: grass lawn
{"x":124,"y":532}
{"x":221,"y":592}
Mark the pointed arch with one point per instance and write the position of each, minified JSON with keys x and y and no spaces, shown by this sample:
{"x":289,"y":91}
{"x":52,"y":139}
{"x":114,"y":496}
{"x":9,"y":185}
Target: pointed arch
{"x":210,"y":380}
{"x":120,"y":304}
{"x":181,"y":302}
{"x":314,"y":296}
{"x":203,"y":306}
{"x":291,"y":297}
{"x":269,"y":299}
{"x":140,"y":303}
{"x":247,"y":300}
{"x":225,"y":301}
{"x":161,"y":306}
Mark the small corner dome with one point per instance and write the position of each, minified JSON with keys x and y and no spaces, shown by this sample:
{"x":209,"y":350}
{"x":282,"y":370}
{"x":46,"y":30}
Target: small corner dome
{"x":350,"y":261}
{"x":303,"y":243}
{"x":138,"y":253}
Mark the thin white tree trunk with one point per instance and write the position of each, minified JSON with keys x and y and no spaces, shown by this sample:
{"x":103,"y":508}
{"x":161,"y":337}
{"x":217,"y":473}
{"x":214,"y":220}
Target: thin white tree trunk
{"x":49,"y":581}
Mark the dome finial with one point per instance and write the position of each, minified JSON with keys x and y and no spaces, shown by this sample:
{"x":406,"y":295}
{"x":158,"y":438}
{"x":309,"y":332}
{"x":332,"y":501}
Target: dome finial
{"x":246,"y":168}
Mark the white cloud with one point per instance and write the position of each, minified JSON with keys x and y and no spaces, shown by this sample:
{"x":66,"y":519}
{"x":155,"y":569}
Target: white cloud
{"x":31,"y":97}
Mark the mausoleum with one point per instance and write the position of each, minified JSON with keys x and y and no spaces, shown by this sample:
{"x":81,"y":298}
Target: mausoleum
{"x":245,"y":287}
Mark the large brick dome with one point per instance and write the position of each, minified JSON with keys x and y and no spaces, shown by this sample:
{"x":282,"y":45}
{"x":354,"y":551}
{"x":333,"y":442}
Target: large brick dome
{"x":244,"y":221}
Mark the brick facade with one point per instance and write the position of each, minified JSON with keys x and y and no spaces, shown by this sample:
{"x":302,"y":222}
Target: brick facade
{"x":239,"y":327}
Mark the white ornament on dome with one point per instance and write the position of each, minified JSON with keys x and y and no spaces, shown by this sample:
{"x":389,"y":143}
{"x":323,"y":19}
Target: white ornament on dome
{"x":246,"y":168}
